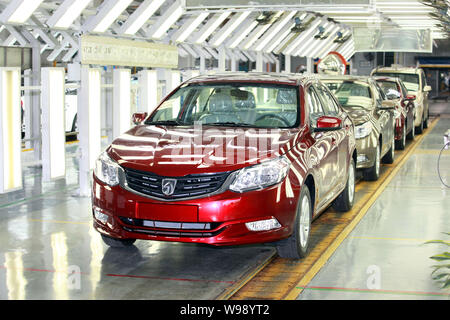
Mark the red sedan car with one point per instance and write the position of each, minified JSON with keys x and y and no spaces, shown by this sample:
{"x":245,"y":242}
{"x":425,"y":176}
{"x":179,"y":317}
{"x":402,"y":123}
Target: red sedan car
{"x":395,"y":90}
{"x":228,"y":159}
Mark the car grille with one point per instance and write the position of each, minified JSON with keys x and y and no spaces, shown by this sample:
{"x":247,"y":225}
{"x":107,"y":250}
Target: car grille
{"x":171,"y":229}
{"x":186,"y":187}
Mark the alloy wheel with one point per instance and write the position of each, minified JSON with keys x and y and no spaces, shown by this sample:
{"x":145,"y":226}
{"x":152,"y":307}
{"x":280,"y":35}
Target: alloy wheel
{"x":305,"y":222}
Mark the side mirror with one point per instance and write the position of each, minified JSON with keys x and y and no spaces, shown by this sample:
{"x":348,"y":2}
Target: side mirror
{"x":139,"y":117}
{"x":326,"y":123}
{"x":387,"y":105}
{"x":427,"y":88}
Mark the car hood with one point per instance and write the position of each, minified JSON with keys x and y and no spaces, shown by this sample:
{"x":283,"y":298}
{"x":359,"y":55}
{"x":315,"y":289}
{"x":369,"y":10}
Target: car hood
{"x":179,"y":151}
{"x":358,"y":115}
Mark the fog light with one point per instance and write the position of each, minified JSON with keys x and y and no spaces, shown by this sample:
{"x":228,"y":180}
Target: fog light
{"x":263,"y":225}
{"x":362,"y":158}
{"x":103,"y":218}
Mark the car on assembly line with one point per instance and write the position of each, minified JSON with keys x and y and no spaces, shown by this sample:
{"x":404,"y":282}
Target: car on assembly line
{"x":416,"y":84}
{"x":395,"y":90}
{"x":373,"y":117}
{"x":228,"y":159}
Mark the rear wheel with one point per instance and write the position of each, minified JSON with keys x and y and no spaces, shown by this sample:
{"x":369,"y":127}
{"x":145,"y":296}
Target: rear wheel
{"x":296,"y":246}
{"x":118,"y":243}
{"x":425,"y":121}
{"x":419,"y":129}
{"x":390,"y":155}
{"x":344,"y":202}
{"x":411,"y":134}
{"x":373,"y":173}
{"x":400,"y":144}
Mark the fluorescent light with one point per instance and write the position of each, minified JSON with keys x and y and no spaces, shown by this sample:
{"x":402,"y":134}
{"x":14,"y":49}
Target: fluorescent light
{"x":275,"y":29}
{"x":121,"y":103}
{"x":222,"y":34}
{"x":140,"y":16}
{"x":212,"y":25}
{"x":67,"y":12}
{"x":304,"y":35}
{"x":190,"y":26}
{"x":242,"y":34}
{"x":53,"y":124}
{"x":10,"y":130}
{"x":107,"y":14}
{"x":166,"y":21}
{"x":279,"y":38}
{"x":19,"y":11}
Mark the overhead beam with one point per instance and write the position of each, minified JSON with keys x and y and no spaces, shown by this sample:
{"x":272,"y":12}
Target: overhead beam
{"x":139,"y":17}
{"x":107,"y":14}
{"x":67,"y":13}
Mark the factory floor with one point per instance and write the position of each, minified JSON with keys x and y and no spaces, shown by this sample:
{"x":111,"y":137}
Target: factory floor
{"x":49,"y":250}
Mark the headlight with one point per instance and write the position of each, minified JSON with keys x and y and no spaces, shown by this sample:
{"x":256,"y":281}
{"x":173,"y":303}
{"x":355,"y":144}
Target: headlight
{"x":363,"y":130}
{"x":260,"y":176}
{"x":107,"y":170}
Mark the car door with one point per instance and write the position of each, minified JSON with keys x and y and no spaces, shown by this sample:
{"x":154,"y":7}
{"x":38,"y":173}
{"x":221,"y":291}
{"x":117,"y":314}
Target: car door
{"x":409,"y":108}
{"x":424,"y":93}
{"x":385,"y":119}
{"x":323,"y":153}
{"x":339,"y":139}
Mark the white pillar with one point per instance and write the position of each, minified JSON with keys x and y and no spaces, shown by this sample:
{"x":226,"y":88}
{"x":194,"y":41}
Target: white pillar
{"x":259,"y":61}
{"x":121,"y":101}
{"x":148,"y":86}
{"x":27,"y":106}
{"x":202,"y":64}
{"x":53,"y":123}
{"x":222,"y":59}
{"x":88,"y":125}
{"x":173,"y":80}
{"x":277,"y":66}
{"x":287,"y":63}
{"x":10,"y":135}
{"x":309,"y":65}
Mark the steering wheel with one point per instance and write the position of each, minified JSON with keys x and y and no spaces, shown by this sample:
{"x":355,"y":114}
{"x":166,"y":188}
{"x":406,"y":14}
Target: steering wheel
{"x":275,"y":116}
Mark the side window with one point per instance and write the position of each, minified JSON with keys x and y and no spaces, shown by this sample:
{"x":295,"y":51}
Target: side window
{"x":329,"y":104}
{"x":404,"y":91}
{"x":314,"y":106}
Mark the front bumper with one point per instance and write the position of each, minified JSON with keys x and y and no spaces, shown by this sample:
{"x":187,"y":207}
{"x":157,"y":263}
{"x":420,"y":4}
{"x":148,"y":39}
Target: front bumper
{"x":224,"y":215}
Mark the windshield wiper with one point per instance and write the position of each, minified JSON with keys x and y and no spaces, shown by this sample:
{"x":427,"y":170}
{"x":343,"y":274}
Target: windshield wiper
{"x":229,"y":124}
{"x":165,"y":122}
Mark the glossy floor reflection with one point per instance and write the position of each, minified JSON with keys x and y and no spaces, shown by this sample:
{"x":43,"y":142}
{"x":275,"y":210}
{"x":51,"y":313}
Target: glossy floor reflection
{"x":384,"y":257}
{"x":49,"y":250}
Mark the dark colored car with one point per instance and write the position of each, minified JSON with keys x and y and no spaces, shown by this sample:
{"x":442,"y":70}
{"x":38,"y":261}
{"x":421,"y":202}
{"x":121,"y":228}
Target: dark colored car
{"x":228,"y":159}
{"x":404,"y":112}
{"x":374,"y":121}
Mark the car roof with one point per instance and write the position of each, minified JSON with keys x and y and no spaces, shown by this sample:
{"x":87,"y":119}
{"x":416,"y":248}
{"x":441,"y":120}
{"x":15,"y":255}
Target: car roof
{"x":384,"y":78}
{"x":266,"y":77}
{"x":398,"y":69}
{"x":345,"y":78}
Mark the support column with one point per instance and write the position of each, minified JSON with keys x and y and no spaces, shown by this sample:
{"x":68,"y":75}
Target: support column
{"x":148,"y":86}
{"x":202,"y":65}
{"x":27,"y":106}
{"x":36,"y":107}
{"x":259,"y":61}
{"x":88,"y":125}
{"x":53,"y":124}
{"x":121,"y":101}
{"x":10,"y":136}
{"x":309,"y":65}
{"x":287,"y":63}
{"x":222,"y":59}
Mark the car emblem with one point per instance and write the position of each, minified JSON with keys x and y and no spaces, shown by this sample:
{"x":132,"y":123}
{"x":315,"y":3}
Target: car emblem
{"x":168,"y":186}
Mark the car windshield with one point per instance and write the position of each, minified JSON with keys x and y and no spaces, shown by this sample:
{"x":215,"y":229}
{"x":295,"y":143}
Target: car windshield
{"x":351,"y":93}
{"x":230,"y":104}
{"x":410,"y":80}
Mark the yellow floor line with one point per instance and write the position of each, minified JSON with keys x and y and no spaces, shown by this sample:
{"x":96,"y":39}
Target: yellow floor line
{"x":294,"y":293}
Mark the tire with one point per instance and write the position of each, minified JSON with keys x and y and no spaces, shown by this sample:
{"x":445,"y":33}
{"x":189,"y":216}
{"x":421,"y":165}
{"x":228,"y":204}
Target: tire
{"x":419,"y":129}
{"x":373,"y":173}
{"x":389,"y":157}
{"x":425,"y":121}
{"x":400,"y":144}
{"x":344,"y":202}
{"x":296,"y":246}
{"x":411,"y":134}
{"x":117,"y":243}
{"x":74,"y":129}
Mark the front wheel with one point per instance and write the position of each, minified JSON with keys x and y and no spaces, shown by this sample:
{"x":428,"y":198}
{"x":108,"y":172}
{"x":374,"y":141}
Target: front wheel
{"x":344,"y":202}
{"x":373,"y":173}
{"x":296,"y":246}
{"x":117,"y":243}
{"x":400,"y":144}
{"x":390,"y":155}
